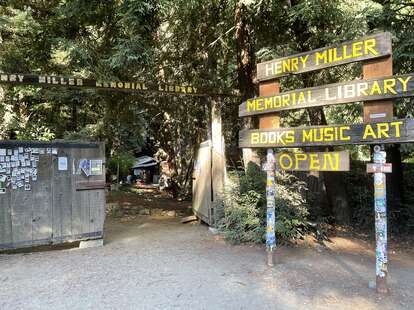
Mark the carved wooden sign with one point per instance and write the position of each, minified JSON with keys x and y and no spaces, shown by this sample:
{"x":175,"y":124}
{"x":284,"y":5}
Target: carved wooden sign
{"x":359,"y":90}
{"x":46,"y":80}
{"x":397,"y":131}
{"x":325,"y":161}
{"x":370,"y":47}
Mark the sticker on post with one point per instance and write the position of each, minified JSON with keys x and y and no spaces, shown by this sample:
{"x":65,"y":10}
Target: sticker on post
{"x":268,"y":166}
{"x":379,"y":168}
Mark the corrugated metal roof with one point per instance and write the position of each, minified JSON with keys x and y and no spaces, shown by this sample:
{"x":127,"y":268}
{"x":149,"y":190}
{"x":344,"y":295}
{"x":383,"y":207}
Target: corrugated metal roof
{"x":144,"y":161}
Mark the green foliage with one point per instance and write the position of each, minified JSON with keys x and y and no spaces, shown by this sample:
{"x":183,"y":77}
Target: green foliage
{"x":241,"y":221}
{"x":242,"y":215}
{"x":361,"y":193}
{"x":291,"y":208}
{"x":98,"y":39}
{"x":194,"y":42}
{"x":361,"y":197}
{"x":122,"y":161}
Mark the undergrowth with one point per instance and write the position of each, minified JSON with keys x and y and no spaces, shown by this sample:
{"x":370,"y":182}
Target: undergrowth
{"x":241,"y":216}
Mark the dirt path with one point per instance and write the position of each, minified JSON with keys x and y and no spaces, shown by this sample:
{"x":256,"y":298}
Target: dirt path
{"x":150,"y":263}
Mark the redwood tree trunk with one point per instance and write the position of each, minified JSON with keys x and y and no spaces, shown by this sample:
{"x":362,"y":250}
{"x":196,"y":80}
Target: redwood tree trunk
{"x":336,"y":193}
{"x":246,"y":62}
{"x":395,"y":188}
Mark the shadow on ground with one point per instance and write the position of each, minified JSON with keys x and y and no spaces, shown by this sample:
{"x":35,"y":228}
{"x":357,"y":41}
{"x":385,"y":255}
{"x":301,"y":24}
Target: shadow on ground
{"x":153,"y":262}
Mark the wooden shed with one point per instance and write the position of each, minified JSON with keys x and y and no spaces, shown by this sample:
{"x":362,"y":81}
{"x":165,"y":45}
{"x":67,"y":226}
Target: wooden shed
{"x":51,"y":193}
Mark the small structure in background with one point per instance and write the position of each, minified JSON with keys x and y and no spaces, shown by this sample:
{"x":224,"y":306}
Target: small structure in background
{"x":146,"y":170}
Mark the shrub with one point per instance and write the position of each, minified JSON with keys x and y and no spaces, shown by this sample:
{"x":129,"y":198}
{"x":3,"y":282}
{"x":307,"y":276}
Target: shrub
{"x":241,"y":216}
{"x":241,"y":221}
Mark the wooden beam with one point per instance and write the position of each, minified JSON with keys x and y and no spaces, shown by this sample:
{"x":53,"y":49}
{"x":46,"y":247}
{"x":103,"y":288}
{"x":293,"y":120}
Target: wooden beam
{"x":369,"y":47}
{"x":380,"y":110}
{"x":271,"y":120}
{"x":397,"y":131}
{"x":375,"y":89}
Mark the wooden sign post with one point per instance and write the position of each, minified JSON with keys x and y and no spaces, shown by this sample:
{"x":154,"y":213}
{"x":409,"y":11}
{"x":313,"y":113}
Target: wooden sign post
{"x":379,"y":111}
{"x":380,"y":205}
{"x":270,"y":121}
{"x":377,"y":89}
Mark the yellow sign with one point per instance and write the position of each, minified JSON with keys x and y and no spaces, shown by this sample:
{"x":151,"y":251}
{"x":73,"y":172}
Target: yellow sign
{"x":363,"y":49}
{"x":361,"y":90}
{"x":381,"y":132}
{"x":327,"y":161}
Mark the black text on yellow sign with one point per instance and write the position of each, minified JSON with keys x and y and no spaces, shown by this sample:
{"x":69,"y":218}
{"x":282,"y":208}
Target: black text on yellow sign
{"x":398,"y":131}
{"x":369,"y":47}
{"x":326,"y":161}
{"x":360,"y":90}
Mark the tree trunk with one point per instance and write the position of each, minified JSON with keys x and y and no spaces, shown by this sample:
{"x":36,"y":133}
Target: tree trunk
{"x":245,"y":70}
{"x":74,"y":116}
{"x":337,"y":196}
{"x":395,"y":188}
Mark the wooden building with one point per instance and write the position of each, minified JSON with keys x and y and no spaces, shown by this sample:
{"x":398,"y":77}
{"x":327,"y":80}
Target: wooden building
{"x":51,"y":193}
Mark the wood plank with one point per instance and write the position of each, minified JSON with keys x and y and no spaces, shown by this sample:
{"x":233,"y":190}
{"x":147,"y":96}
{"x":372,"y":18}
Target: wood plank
{"x":97,"y":196}
{"x":84,"y":201}
{"x":22,"y":215}
{"x":125,"y":86}
{"x":76,"y":201}
{"x":62,"y":198}
{"x":65,"y":183}
{"x":6,"y":237}
{"x":379,"y":110}
{"x":85,"y":211}
{"x":202,"y":196}
{"x":397,"y":131}
{"x":82,"y":186}
{"x":372,"y":90}
{"x":320,"y":161}
{"x":369,"y":47}
{"x":100,"y":222}
{"x":92,"y":201}
{"x":42,"y":200}
{"x":269,"y":88}
{"x":41,"y":144}
{"x":97,"y":213}
{"x":188,"y":219}
{"x":218,"y":165}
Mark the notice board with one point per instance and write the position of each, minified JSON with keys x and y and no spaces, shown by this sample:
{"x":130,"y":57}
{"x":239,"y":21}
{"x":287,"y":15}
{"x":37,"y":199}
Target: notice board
{"x":45,"y":195}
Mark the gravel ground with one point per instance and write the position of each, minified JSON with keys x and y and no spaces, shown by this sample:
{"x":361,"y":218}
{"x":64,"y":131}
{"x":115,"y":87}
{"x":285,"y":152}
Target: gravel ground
{"x":150,"y":263}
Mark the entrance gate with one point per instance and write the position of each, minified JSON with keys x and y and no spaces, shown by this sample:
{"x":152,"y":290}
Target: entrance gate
{"x":210,"y":168}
